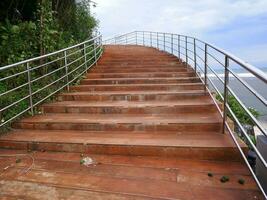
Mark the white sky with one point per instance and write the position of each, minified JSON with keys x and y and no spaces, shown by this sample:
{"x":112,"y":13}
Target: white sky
{"x":217,"y":21}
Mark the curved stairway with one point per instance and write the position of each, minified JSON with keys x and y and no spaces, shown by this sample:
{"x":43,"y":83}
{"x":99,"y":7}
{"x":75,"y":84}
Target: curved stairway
{"x":147,"y":122}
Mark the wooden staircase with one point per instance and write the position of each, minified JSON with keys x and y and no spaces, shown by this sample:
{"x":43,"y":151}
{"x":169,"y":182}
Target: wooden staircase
{"x":147,"y":122}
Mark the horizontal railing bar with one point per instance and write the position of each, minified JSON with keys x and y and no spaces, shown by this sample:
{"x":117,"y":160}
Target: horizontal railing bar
{"x":16,"y":116}
{"x":200,"y":58}
{"x":74,"y":61}
{"x":13,"y":89}
{"x":37,"y":91}
{"x":246,"y":161}
{"x":76,"y":68}
{"x":260,"y":97}
{"x":14,"y":103}
{"x":52,"y":72}
{"x":247,"y":137}
{"x":42,"y":65}
{"x":215,"y":74}
{"x":17,"y":74}
{"x":75,"y":52}
{"x":247,"y":111}
{"x":37,"y":103}
{"x":255,"y":71}
{"x":215,"y":59}
{"x":66,"y":83}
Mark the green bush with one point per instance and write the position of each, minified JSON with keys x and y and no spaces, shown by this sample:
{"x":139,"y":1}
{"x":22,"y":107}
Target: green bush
{"x":240,"y":113}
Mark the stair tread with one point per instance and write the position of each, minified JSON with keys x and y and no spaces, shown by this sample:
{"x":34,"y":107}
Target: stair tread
{"x":141,"y":78}
{"x":139,"y":176}
{"x":139,"y":84}
{"x":187,"y":102}
{"x":138,"y":92}
{"x":158,"y":139}
{"x":150,"y":162}
{"x":125,"y":118}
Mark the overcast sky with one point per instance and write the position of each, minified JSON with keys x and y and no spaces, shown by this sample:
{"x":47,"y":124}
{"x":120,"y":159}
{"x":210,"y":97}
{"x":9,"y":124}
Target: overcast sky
{"x":238,"y":26}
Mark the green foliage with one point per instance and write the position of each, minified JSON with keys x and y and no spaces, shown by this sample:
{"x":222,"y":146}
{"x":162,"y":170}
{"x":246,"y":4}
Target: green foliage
{"x":240,"y":113}
{"x":25,"y":39}
{"x":50,"y":27}
{"x":18,"y":42}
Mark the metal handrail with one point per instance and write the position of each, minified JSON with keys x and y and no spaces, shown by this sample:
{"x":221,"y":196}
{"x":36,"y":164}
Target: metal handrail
{"x":65,"y":66}
{"x":180,"y":46}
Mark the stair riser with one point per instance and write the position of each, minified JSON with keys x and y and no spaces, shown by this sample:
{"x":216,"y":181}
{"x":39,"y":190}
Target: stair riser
{"x":143,"y":75}
{"x":125,"y":110}
{"x":137,"y":62}
{"x":138,"y":81}
{"x":87,"y":88}
{"x":129,"y":97}
{"x":119,"y":127}
{"x":134,"y":70}
{"x":147,"y":58}
{"x":143,"y":66}
{"x":217,"y":153}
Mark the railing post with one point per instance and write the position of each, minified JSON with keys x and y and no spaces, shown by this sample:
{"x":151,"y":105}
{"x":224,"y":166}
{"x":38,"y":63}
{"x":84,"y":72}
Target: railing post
{"x":164,"y":41}
{"x":136,"y":37}
{"x":95,"y":51}
{"x":85,"y":56}
{"x":143,"y":38}
{"x":30,"y":87}
{"x":205,"y":65}
{"x":126,"y":39}
{"x":150,"y":39}
{"x":157,"y":40}
{"x":186,"y":56}
{"x":179,"y":46}
{"x":172,"y":42}
{"x":195,"y":55}
{"x":225,"y":94}
{"x":66,"y":70}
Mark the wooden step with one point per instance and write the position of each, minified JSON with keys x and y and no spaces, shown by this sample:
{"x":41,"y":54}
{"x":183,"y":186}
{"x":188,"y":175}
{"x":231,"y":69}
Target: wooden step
{"x":131,"y":107}
{"x":139,"y":75}
{"x":139,"y":87}
{"x":133,"y":95}
{"x":115,"y":81}
{"x":205,"y":146}
{"x":108,"y":122}
{"x":144,"y":69}
{"x":125,"y":177}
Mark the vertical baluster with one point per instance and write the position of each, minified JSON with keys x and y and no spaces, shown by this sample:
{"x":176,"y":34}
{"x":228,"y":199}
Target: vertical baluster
{"x":136,"y":37}
{"x":95,"y":45}
{"x":126,"y":38}
{"x":85,"y":56}
{"x":172,"y":42}
{"x":206,"y":66}
{"x":30,"y":87}
{"x":66,"y":70}
{"x":150,"y":39}
{"x":143,"y":38}
{"x":164,"y":41}
{"x":186,"y":55}
{"x":225,"y":96}
{"x":179,"y":47}
{"x":195,"y":55}
{"x":157,"y":40}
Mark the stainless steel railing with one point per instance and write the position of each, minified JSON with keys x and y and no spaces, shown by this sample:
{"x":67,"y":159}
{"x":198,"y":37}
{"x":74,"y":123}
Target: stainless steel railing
{"x":202,"y":56}
{"x":26,"y":84}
